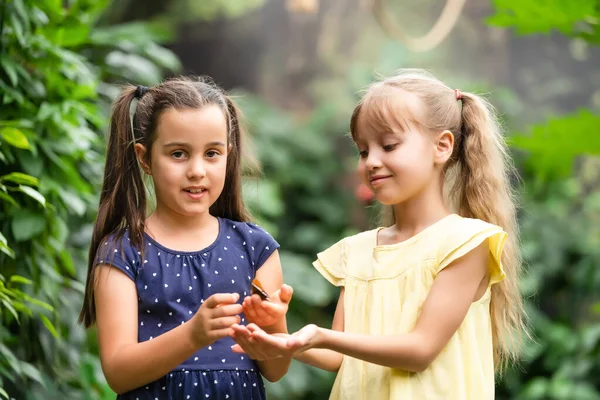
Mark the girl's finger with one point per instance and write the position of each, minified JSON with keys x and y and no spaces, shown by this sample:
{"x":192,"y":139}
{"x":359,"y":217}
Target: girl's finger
{"x":245,"y":344}
{"x":285,"y":294}
{"x":236,"y":348}
{"x":221,"y":333}
{"x":224,"y":322}
{"x":273,"y":309}
{"x":278,"y":342}
{"x":256,"y":300}
{"x":249,"y":310}
{"x":227,"y":310}
{"x":253,"y":328}
{"x":241,"y":331}
{"x":262,"y":313}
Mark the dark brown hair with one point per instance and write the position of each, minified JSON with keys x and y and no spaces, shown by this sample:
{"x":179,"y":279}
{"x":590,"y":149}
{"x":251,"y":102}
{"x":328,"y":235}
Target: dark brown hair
{"x":123,"y":202}
{"x":477,"y":175}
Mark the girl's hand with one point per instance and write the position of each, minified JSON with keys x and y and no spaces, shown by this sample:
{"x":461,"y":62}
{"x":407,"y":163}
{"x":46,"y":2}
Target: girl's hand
{"x":260,"y":345}
{"x":256,"y":350}
{"x":268,"y":313}
{"x":214,"y":318}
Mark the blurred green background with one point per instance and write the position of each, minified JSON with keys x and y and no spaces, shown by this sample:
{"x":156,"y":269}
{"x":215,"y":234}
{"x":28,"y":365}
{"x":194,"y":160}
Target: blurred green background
{"x":296,"y":68}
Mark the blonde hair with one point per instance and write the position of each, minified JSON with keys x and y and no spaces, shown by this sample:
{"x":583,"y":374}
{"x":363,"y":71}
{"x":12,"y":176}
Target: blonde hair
{"x":477,"y":176}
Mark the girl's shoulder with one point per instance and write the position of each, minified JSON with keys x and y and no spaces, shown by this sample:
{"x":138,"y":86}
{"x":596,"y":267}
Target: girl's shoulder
{"x":457,"y":226}
{"x":116,"y":242}
{"x":118,"y":250}
{"x":244,"y":229}
{"x":359,"y":242}
{"x":249,"y":235}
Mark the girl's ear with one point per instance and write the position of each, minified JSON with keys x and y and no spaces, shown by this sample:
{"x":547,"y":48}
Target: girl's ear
{"x":229,"y":148}
{"x":444,"y":146}
{"x":140,"y":152}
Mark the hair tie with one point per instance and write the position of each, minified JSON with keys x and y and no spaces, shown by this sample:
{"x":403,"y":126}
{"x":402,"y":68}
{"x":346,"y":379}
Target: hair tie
{"x":458,"y":94}
{"x":140,"y":91}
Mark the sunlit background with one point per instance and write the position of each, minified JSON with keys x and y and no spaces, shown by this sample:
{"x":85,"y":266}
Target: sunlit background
{"x":297,"y":68}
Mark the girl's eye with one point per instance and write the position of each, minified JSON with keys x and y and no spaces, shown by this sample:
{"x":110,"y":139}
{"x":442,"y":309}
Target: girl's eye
{"x":390,"y":147}
{"x":178,"y":154}
{"x":363,"y":154}
{"x":212,"y":154}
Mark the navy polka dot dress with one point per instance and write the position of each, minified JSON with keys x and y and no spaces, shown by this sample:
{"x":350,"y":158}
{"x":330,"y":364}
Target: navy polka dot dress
{"x":172,"y":285}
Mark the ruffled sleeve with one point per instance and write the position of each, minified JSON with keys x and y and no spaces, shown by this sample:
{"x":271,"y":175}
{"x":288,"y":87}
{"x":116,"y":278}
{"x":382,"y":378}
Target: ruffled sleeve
{"x":465,"y":238}
{"x":331,"y":263}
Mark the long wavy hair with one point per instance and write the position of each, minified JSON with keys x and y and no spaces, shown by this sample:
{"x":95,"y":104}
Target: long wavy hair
{"x":477,"y":177}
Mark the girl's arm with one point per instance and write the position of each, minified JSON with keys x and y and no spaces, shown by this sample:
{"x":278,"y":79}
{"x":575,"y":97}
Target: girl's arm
{"x":454,"y":290}
{"x":271,"y":276}
{"x":323,"y":358}
{"x":128,"y":364}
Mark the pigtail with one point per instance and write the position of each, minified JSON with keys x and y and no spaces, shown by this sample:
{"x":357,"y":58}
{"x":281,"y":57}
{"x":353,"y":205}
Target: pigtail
{"x":123,"y":196}
{"x":483,"y":190}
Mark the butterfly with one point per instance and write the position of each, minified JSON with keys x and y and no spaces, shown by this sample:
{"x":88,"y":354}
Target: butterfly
{"x":258,"y":289}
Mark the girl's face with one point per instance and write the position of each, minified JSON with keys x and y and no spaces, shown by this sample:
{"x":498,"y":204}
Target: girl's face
{"x":188,"y":160}
{"x":399,"y":164}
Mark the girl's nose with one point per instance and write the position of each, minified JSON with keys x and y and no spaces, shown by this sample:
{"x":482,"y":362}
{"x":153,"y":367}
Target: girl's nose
{"x":196,"y":170}
{"x":373,"y":161}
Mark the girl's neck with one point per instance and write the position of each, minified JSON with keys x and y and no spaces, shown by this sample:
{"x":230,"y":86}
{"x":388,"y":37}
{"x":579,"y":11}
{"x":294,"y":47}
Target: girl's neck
{"x":419,"y":212}
{"x":165,"y":225}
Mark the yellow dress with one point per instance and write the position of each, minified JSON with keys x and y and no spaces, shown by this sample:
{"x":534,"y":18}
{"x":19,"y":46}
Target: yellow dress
{"x":385,"y":287}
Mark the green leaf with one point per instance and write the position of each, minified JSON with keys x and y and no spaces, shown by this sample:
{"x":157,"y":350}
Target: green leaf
{"x":12,"y":310}
{"x":72,"y":201}
{"x":5,"y":248}
{"x":3,"y":239}
{"x":553,"y":145}
{"x":544,"y":16}
{"x":17,"y":29}
{"x":31,"y":192}
{"x":33,"y":373}
{"x":27,"y":224}
{"x":10,"y":69}
{"x":3,"y":393}
{"x":163,"y":57}
{"x":37,"y":302}
{"x":70,"y":36}
{"x":67,"y":263}
{"x":21,"y":11}
{"x":15,"y":138}
{"x":50,"y":326}
{"x":10,"y":357}
{"x":20,"y":279}
{"x":20,"y":178}
{"x":6,"y":197}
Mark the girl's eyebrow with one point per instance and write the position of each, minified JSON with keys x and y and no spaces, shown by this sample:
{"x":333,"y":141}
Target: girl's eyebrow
{"x":182,"y":144}
{"x":176,"y":144}
{"x":217,"y":143}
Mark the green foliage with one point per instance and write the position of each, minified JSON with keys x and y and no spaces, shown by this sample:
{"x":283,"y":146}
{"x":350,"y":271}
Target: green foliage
{"x":173,"y":13}
{"x":572,"y":18}
{"x":561,"y":246}
{"x":560,"y":227}
{"x":553,"y":145}
{"x":213,"y":9}
{"x":51,"y":82}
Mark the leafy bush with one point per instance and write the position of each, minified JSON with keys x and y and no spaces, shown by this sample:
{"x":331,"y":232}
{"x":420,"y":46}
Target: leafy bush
{"x":54,"y":104}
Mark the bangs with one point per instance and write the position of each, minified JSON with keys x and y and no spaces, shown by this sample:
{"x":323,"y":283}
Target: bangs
{"x":386,"y":109}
